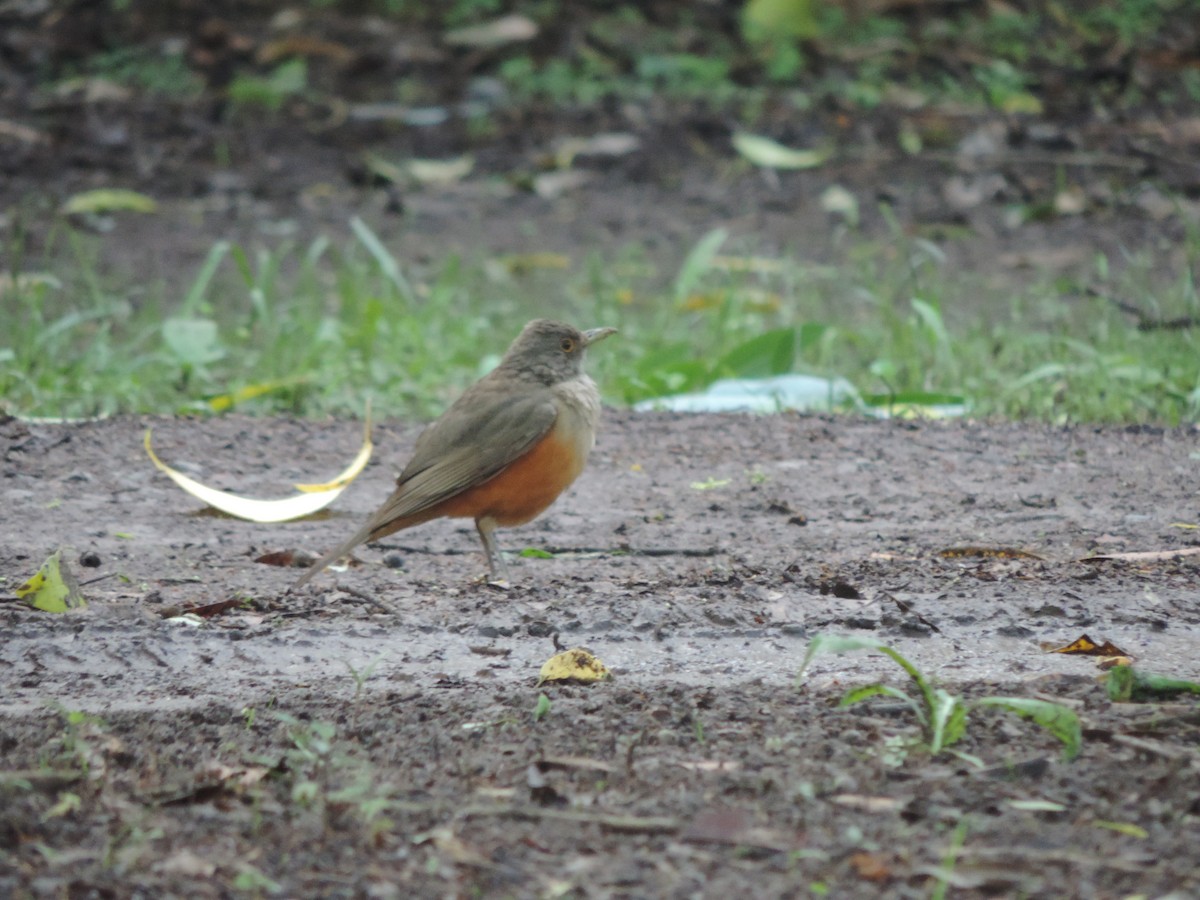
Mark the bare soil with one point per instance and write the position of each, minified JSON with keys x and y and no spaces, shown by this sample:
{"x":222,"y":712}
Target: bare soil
{"x":701,"y":768}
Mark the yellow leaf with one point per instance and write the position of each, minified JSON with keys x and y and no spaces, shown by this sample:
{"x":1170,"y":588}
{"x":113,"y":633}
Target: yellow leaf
{"x":1127,"y":828}
{"x":53,"y":589}
{"x":523,"y":263}
{"x":224,"y":402}
{"x":1085,"y":646}
{"x":701,"y":302}
{"x":709,"y":484}
{"x":986,"y":553}
{"x":109,"y":200}
{"x":312,"y":497}
{"x":1021,"y":103}
{"x":440,"y":171}
{"x":573,"y":665}
{"x":762,"y":151}
{"x":782,"y":18}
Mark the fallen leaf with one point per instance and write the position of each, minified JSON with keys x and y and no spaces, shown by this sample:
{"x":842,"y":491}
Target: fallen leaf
{"x":287,"y":559}
{"x":1126,"y":828}
{"x":839,"y":201}
{"x":440,"y":171}
{"x":305,"y":45}
{"x":224,"y":402}
{"x":782,"y":18}
{"x":107,"y":200}
{"x":311,"y":498}
{"x":523,"y":263}
{"x":1085,"y":646}
{"x":208,"y":610}
{"x":496,"y":33}
{"x":986,"y":552}
{"x":551,"y":185}
{"x":52,"y":588}
{"x":611,"y":144}
{"x":709,"y":484}
{"x":573,"y":665}
{"x":870,"y":866}
{"x":1037,"y":805}
{"x":762,"y":151}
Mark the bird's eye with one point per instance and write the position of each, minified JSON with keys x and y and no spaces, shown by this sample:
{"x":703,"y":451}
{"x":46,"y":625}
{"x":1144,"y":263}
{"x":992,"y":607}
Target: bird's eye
{"x":567,"y":344}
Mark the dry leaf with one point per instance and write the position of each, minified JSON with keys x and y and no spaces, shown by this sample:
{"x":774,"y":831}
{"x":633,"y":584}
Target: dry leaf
{"x":505,"y":30}
{"x":986,"y":552}
{"x":52,"y":588}
{"x":1085,"y":646}
{"x":762,"y":151}
{"x":573,"y":665}
{"x":311,"y":498}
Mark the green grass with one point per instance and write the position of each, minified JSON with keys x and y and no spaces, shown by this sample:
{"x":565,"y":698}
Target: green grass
{"x":318,"y":328}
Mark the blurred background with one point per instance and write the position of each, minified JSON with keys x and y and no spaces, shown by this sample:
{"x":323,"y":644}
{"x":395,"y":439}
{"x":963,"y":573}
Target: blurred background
{"x":986,"y":206}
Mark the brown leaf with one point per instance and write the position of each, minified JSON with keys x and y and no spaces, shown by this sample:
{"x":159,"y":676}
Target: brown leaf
{"x":1085,"y":646}
{"x":208,"y":610}
{"x":305,"y":45}
{"x":986,"y":552}
{"x":288,"y":559}
{"x":870,"y":866}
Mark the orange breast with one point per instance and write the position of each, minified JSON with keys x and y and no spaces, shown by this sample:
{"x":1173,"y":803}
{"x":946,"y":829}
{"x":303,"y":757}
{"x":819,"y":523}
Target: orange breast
{"x":525,"y":488}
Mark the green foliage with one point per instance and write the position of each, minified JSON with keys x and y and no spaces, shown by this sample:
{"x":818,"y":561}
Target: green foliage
{"x":287,"y":80}
{"x":327,"y":775}
{"x":943,"y":716}
{"x":150,"y":70}
{"x":322,"y":327}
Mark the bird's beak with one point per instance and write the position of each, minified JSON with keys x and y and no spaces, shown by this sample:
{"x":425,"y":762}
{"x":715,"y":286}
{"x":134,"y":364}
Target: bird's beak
{"x":592,"y":335}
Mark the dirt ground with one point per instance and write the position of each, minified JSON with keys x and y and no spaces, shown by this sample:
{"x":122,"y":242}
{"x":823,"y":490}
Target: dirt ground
{"x":375,"y":735}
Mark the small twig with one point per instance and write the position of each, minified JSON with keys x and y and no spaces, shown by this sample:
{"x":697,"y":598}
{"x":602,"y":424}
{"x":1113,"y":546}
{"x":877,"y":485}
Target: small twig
{"x":620,"y":824}
{"x":1156,"y":748}
{"x":1145,"y":322}
{"x":363,"y":595}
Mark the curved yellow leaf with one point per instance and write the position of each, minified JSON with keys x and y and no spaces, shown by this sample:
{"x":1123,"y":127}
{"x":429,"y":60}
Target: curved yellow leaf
{"x":105,"y":200}
{"x":313,"y":497}
{"x":762,"y":151}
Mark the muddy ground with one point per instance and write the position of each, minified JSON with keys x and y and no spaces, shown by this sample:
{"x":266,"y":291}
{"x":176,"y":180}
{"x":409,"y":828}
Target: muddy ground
{"x":374,"y":734}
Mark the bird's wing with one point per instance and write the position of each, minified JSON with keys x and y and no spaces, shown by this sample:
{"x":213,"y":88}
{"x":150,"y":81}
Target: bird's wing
{"x":481,"y":433}
{"x":469,"y":444}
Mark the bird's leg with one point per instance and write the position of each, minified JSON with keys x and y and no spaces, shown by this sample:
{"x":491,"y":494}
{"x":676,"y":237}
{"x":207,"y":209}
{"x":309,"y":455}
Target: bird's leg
{"x":487,"y":533}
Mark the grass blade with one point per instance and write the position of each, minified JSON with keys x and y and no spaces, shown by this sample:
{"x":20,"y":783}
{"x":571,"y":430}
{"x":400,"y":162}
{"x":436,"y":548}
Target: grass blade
{"x":1059,"y":720}
{"x":383,"y":258}
{"x":200,"y":286}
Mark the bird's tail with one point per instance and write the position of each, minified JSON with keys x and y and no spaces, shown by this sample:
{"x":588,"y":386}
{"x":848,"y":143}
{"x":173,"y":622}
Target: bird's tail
{"x":335,"y":554}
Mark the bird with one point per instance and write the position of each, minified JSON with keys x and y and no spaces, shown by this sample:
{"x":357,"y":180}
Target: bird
{"x":504,"y":450}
